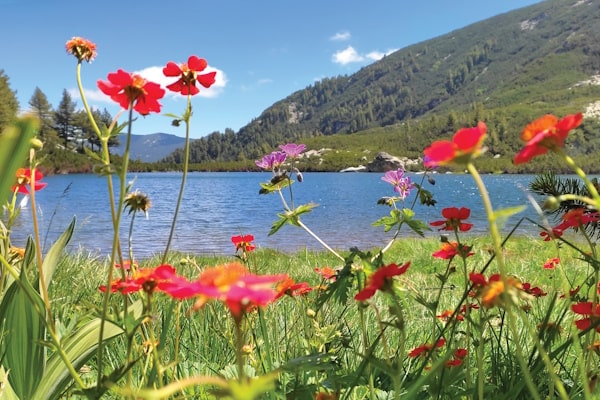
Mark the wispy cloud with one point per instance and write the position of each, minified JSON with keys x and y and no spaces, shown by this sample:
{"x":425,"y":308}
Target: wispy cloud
{"x":378,"y":55}
{"x":340,"y":36}
{"x":347,"y":56}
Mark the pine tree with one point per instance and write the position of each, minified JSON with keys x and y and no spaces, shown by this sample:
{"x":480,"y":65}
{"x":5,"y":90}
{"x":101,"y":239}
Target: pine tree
{"x":42,"y":108}
{"x":64,"y":118}
{"x":9,"y":105}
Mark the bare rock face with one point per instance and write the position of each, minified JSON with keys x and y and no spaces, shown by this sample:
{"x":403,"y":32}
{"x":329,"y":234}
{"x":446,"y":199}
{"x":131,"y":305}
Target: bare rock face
{"x":384,"y":162}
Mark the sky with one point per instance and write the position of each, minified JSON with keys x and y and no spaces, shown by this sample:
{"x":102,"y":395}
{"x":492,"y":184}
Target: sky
{"x":262,"y":50}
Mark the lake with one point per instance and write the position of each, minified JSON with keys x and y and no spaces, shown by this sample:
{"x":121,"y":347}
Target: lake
{"x":217,"y":206}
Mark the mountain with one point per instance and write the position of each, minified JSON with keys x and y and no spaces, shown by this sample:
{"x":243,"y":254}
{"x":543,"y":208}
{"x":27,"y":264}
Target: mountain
{"x":505,"y":70}
{"x":150,"y":148}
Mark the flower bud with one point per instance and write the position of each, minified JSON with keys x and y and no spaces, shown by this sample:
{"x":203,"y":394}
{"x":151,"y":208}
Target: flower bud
{"x":37,"y":144}
{"x":310,"y":313}
{"x":551,"y":204}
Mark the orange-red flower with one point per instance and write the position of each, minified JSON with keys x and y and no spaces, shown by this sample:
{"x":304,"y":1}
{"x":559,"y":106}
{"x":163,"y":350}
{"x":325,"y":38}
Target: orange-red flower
{"x":426,"y":348}
{"x":188,"y":76}
{"x":23,"y":184}
{"x":546,"y":133}
{"x":590,"y":311}
{"x":454,"y":217}
{"x":327,"y":273}
{"x":551,"y":263}
{"x":535,"y":291}
{"x":381,"y":280}
{"x":450,"y":249}
{"x":146,"y":279}
{"x":132,"y":90}
{"x":577,"y":218}
{"x":489,"y":291}
{"x":239,"y":289}
{"x":243,"y":243}
{"x":458,"y":357}
{"x":466,"y":144}
{"x":291,"y":288}
{"x":82,"y":49}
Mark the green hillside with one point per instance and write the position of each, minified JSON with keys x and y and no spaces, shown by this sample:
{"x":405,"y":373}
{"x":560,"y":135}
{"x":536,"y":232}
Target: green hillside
{"x":505,"y":70}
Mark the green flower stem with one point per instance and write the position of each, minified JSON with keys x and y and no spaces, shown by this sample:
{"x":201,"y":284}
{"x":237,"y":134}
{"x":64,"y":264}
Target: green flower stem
{"x":186,"y":161}
{"x":239,"y":336}
{"x":495,"y":233}
{"x":38,"y":252}
{"x":311,"y":233}
{"x":590,"y":186}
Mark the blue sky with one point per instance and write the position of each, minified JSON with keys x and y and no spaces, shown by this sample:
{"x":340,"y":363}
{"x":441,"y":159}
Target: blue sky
{"x":262,"y":50}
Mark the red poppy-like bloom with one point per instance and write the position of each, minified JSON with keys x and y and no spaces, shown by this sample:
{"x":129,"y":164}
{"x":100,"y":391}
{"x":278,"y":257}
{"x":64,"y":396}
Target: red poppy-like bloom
{"x":146,"y":279}
{"x":23,"y":184}
{"x":450,"y":249}
{"x":426,"y":348}
{"x":188,"y":76}
{"x":448,"y":315}
{"x":243,"y":243}
{"x":127,"y":265}
{"x":381,"y":280}
{"x":535,"y":291}
{"x":466,"y":144}
{"x":489,"y":291}
{"x":82,"y":49}
{"x":239,"y":289}
{"x":546,"y":133}
{"x":576,"y":218}
{"x":327,"y":273}
{"x":590,"y":311}
{"x":549,"y":236}
{"x":291,"y":288}
{"x":130,"y":89}
{"x":454,"y":217}
{"x":458,"y":357}
{"x":551,"y":263}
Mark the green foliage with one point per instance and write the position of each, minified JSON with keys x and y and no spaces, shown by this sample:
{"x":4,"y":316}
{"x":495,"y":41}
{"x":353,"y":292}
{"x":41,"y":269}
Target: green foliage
{"x":15,"y":142}
{"x":9,"y":104}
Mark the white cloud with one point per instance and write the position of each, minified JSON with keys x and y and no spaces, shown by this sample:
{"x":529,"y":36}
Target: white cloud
{"x":378,"y":55}
{"x":340,"y":36}
{"x":347,"y":56}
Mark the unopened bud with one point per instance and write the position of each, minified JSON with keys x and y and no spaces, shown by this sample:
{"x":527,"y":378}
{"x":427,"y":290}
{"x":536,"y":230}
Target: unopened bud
{"x":310,"y":313}
{"x":37,"y":143}
{"x":551,"y":204}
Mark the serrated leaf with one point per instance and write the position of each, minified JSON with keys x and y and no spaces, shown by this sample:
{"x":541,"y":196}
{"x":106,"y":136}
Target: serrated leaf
{"x":291,"y":217}
{"x":389,"y":222}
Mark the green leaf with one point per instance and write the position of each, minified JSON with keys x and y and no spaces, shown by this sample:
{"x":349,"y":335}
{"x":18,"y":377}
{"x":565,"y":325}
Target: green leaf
{"x":52,"y":258}
{"x":291,"y":217}
{"x":22,"y":311}
{"x":78,"y":347}
{"x":389,"y":222}
{"x":6,"y":391}
{"x":270,"y":187}
{"x":15,"y":141}
{"x":312,"y":362}
{"x":503,"y":214}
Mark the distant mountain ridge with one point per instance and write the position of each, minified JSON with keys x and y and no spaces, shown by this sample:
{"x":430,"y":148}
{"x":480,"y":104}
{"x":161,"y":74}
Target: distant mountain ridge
{"x":511,"y":67}
{"x":152,"y":147}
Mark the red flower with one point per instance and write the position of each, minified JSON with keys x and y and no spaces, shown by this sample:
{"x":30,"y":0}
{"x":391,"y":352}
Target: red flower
{"x":546,"y":133}
{"x":551,"y":263}
{"x":549,"y":236}
{"x":381,"y":280}
{"x":453,"y":221}
{"x":459,"y":355}
{"x":146,"y":279}
{"x":448,"y":315}
{"x":535,"y":291}
{"x":576,"y":218}
{"x":239,"y":289}
{"x":291,"y":288}
{"x":188,"y":76}
{"x":327,"y":273}
{"x":243,"y":243}
{"x":24,"y":181}
{"x":450,"y":249}
{"x":590,"y":311}
{"x":426,"y":348}
{"x":81,"y":48}
{"x":466,"y":144}
{"x":490,"y":290}
{"x":131,"y":89}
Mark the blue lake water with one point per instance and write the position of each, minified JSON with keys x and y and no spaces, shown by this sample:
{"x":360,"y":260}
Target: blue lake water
{"x":219,"y":205}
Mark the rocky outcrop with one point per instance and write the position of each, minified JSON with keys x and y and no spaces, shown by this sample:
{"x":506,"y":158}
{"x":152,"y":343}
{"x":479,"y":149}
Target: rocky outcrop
{"x":385,"y":162}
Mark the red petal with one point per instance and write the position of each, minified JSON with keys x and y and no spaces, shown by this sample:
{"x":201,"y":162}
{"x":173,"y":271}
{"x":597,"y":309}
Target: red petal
{"x":467,"y":139}
{"x":197,"y":64}
{"x":172,"y":69}
{"x":207,"y":80}
{"x":439,"y":152}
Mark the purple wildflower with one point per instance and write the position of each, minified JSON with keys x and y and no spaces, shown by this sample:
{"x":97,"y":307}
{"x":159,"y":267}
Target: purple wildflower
{"x":402,"y":184}
{"x":271,"y":161}
{"x":292,"y":150}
